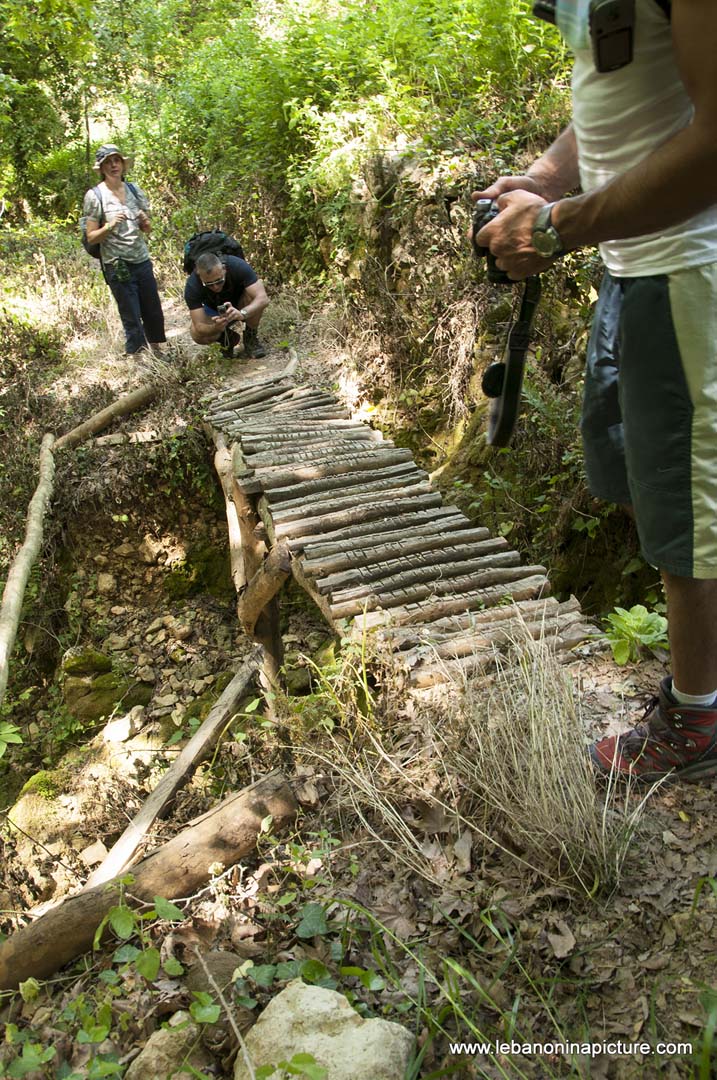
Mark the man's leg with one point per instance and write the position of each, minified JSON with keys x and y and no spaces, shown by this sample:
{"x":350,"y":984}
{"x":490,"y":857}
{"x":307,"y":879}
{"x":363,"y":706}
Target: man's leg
{"x":668,"y":396}
{"x":692,"y":617}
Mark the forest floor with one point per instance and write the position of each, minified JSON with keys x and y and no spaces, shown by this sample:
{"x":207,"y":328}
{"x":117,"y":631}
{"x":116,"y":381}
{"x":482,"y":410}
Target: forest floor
{"x":428,"y":920}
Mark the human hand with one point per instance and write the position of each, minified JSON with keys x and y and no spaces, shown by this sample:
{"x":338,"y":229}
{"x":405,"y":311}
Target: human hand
{"x":113,"y":220}
{"x":508,"y":183}
{"x":143,"y":221}
{"x":509,"y":234}
{"x":227,"y":315}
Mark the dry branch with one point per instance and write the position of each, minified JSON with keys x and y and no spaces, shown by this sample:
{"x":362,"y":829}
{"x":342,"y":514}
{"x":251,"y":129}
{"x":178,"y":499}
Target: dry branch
{"x":122,"y":853}
{"x":225,"y":834}
{"x":124,"y":405}
{"x":24,"y":560}
{"x":264,"y":586}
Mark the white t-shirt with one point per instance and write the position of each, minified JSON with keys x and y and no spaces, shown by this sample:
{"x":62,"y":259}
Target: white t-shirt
{"x":619,"y":117}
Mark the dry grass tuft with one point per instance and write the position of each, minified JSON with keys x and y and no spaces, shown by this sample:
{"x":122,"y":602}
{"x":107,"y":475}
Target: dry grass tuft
{"x":520,"y":751}
{"x":504,"y":758}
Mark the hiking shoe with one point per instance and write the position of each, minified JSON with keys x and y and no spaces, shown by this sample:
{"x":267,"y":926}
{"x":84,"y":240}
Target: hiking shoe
{"x":253,"y":348}
{"x":679,"y":741}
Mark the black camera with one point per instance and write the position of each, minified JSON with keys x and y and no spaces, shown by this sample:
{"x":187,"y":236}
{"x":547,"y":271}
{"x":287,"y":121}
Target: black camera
{"x":223,"y":308}
{"x":485,"y":211}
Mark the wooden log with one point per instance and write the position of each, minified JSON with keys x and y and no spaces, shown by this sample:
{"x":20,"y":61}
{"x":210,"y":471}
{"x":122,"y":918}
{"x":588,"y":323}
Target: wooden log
{"x":425,"y":572}
{"x":385,"y":569}
{"x":410,"y":478}
{"x":288,"y":399}
{"x":246,"y":397}
{"x":321,"y":507}
{"x":19,"y":573}
{"x":343,"y":481}
{"x":436,"y":540}
{"x":311,"y":526}
{"x":271,"y":426}
{"x":475,"y":621}
{"x":178,"y":868}
{"x":390,"y":527}
{"x":432,"y":609}
{"x":495,"y":636}
{"x":413,"y":536}
{"x":259,"y":444}
{"x":400,"y":597}
{"x":124,"y":405}
{"x":223,"y":467}
{"x":369,"y":461}
{"x":280,"y":420}
{"x":264,"y":586}
{"x":288,"y":456}
{"x":204,"y":739}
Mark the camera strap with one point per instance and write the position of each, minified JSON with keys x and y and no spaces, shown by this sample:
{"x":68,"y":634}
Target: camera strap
{"x":503,"y":380}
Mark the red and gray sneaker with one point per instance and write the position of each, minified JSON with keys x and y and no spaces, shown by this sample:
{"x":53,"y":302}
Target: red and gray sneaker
{"x":672,"y":740}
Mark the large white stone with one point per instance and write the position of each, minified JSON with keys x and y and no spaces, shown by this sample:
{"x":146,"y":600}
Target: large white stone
{"x":312,"y":1020}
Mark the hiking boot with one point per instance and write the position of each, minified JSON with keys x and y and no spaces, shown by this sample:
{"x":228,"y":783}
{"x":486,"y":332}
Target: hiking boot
{"x":253,"y":348}
{"x":679,"y":741}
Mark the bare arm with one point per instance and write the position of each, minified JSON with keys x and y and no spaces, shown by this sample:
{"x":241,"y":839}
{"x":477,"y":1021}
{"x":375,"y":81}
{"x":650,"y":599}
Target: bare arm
{"x":679,"y":178}
{"x":96,"y":233}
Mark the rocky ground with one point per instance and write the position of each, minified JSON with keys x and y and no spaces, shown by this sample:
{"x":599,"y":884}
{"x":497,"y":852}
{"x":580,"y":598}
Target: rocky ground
{"x":457,"y":940}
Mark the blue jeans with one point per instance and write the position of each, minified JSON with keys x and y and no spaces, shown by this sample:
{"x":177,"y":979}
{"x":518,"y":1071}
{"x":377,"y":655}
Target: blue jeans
{"x":138,"y":303}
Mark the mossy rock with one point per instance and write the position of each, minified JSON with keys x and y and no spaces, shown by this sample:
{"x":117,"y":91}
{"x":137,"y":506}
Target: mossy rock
{"x":85,"y":662}
{"x":90,"y":699}
{"x":205,"y":570}
{"x":47,"y":783}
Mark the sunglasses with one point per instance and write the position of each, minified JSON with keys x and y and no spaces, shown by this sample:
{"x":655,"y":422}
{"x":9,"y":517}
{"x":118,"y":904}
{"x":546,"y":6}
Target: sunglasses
{"x":217,"y":281}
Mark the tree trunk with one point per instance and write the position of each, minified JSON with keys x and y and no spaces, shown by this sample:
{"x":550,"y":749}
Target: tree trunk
{"x":17,"y":578}
{"x":124,"y":405}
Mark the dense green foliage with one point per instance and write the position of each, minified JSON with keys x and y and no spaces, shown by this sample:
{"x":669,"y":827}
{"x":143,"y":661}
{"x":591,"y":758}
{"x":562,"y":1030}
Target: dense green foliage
{"x":273,"y":107}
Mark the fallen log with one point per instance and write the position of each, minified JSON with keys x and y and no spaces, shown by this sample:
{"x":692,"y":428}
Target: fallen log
{"x":124,"y":405}
{"x":17,"y":578}
{"x":225,"y":834}
{"x":122,"y":852}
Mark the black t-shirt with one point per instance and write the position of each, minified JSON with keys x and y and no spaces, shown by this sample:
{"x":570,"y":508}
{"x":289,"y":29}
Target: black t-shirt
{"x":239,"y":276}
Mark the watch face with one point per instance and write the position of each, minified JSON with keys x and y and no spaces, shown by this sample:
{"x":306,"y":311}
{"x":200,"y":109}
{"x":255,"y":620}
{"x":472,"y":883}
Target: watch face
{"x":546,"y":242}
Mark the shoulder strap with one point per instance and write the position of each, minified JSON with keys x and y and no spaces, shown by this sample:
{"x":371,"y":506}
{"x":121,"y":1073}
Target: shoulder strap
{"x":666,"y":6}
{"x":98,"y":193}
{"x":132,"y":188}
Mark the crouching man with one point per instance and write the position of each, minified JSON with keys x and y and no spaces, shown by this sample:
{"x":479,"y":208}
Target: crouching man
{"x":226,"y":301}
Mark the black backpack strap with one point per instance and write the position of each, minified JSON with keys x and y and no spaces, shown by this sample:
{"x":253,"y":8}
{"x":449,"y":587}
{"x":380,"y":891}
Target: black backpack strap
{"x":666,"y":6}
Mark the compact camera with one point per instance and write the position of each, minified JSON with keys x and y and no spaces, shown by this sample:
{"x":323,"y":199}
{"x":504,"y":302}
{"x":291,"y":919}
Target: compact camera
{"x":485,"y":211}
{"x":223,"y":308}
{"x":612,"y":30}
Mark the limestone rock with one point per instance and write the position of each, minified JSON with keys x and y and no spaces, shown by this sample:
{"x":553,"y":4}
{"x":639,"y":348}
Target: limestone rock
{"x":312,"y":1020}
{"x":166,"y":1050}
{"x":124,"y":727}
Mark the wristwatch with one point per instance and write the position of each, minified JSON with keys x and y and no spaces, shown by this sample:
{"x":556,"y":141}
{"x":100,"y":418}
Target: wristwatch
{"x":242,"y":312}
{"x":546,"y":238}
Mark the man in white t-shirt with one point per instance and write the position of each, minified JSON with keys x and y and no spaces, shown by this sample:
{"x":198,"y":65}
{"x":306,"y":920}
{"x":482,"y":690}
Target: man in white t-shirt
{"x":643,"y":147}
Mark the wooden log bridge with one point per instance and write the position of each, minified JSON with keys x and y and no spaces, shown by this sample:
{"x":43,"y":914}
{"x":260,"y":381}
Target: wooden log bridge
{"x":312,"y":492}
